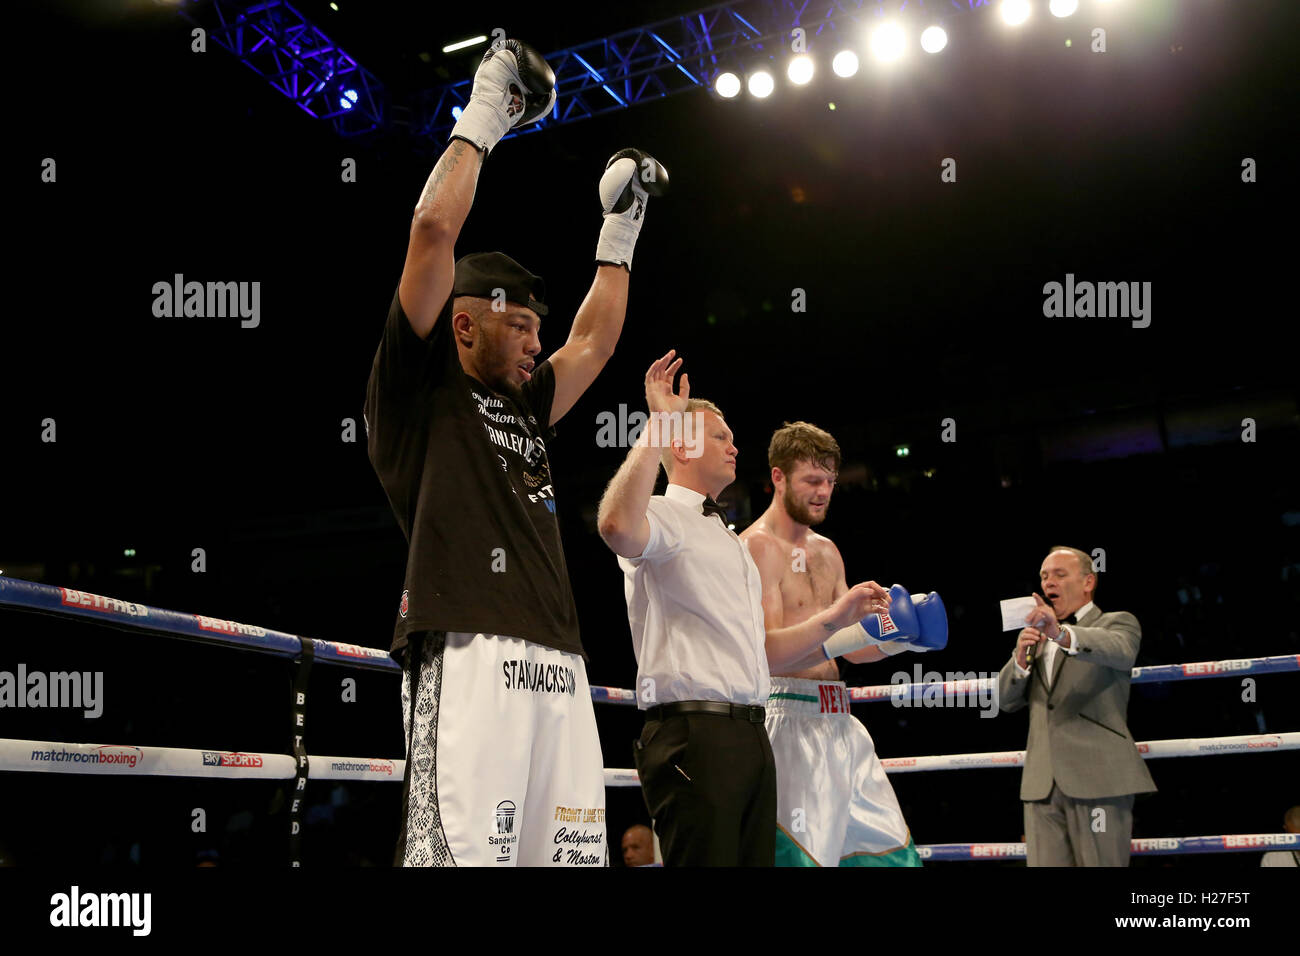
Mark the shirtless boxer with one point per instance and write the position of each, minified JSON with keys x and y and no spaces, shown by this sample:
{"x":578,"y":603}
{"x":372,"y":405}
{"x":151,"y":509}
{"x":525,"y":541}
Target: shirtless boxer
{"x":835,"y":806}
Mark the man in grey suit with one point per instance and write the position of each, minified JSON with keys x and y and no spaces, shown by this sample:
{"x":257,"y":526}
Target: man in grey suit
{"x":1081,"y":765}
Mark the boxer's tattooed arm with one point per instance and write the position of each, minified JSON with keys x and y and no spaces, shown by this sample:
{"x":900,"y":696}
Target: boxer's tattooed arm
{"x":452,"y":158}
{"x":429,"y":274}
{"x":455,"y":152}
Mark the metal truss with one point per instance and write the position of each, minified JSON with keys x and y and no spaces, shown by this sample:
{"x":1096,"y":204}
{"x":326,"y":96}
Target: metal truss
{"x":679,"y":54}
{"x":281,"y":45}
{"x":672,"y":56}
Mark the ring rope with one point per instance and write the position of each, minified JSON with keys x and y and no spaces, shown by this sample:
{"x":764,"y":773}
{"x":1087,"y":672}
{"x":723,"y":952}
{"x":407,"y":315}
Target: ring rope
{"x":61,"y":601}
{"x":177,"y":762}
{"x":1148,"y":846}
{"x":61,"y":757}
{"x":932,"y":690}
{"x":52,"y":599}
{"x":44,"y":756}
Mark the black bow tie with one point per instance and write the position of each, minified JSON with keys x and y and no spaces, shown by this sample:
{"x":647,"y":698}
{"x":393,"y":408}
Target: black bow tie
{"x":711,"y":507}
{"x":1071,"y":619}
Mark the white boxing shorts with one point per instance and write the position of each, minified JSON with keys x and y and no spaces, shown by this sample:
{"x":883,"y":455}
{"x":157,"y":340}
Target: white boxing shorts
{"x":835,"y":806}
{"x":503,"y":758}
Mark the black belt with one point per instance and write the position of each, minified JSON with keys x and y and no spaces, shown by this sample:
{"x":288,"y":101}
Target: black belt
{"x":754,"y":714}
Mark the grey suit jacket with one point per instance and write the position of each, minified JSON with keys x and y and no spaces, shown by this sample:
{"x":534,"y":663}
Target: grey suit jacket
{"x":1078,"y":731}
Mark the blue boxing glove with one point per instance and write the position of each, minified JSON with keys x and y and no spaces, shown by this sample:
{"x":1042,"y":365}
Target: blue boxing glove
{"x":932,"y":621}
{"x":919,"y":624}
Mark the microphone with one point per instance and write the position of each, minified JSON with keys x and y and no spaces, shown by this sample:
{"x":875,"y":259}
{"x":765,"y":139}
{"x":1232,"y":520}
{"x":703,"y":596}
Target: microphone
{"x":1029,"y":651}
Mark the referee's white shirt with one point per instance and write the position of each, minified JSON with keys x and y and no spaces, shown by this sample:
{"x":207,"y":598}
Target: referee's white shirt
{"x":695,"y":606}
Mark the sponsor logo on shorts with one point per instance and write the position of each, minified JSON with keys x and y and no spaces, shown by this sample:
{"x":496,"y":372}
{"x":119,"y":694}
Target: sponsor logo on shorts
{"x":833,"y":699}
{"x":504,"y":840}
{"x":539,"y":677}
{"x":580,"y":814}
{"x":579,"y":847}
{"x":406,"y":603}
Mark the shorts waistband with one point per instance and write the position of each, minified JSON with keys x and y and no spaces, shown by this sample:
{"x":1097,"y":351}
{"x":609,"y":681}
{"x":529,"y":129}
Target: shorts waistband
{"x":508,"y":639}
{"x":819,"y":698}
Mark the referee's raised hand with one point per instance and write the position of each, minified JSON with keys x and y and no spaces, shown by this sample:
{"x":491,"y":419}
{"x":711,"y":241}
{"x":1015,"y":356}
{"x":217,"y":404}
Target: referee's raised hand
{"x":659,"y":396}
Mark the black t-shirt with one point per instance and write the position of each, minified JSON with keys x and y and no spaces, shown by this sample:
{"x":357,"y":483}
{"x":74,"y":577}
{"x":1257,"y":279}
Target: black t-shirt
{"x":466,"y":472}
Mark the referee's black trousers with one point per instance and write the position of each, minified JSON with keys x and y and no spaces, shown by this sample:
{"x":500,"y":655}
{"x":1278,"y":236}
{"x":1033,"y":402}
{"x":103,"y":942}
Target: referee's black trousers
{"x":709,"y":782}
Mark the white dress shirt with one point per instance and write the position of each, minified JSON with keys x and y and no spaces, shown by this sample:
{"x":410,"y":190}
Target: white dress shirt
{"x":1280,"y":858}
{"x":1048,"y":659}
{"x":695,"y":607}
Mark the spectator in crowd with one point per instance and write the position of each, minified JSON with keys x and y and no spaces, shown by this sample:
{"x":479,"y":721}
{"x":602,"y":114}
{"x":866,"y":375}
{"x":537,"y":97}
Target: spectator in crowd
{"x":638,"y":845}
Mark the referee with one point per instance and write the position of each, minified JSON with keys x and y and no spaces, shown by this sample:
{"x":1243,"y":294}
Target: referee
{"x":694,"y":602}
{"x":695,"y":608}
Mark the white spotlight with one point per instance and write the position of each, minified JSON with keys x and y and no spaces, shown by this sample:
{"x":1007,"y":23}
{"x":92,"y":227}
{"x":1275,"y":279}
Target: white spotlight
{"x":1063,"y":8}
{"x":933,"y":39}
{"x":727,"y":85}
{"x":761,"y":84}
{"x":887,"y":42}
{"x":845,"y":63}
{"x":800,"y":69}
{"x":1015,"y":12}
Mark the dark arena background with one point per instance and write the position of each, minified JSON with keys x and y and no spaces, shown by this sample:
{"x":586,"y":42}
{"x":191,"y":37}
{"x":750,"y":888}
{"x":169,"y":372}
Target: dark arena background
{"x":870,"y":253}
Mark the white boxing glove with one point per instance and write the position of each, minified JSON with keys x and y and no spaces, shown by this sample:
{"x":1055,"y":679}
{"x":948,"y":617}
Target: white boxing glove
{"x":631,"y":176}
{"x":514,"y":86}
